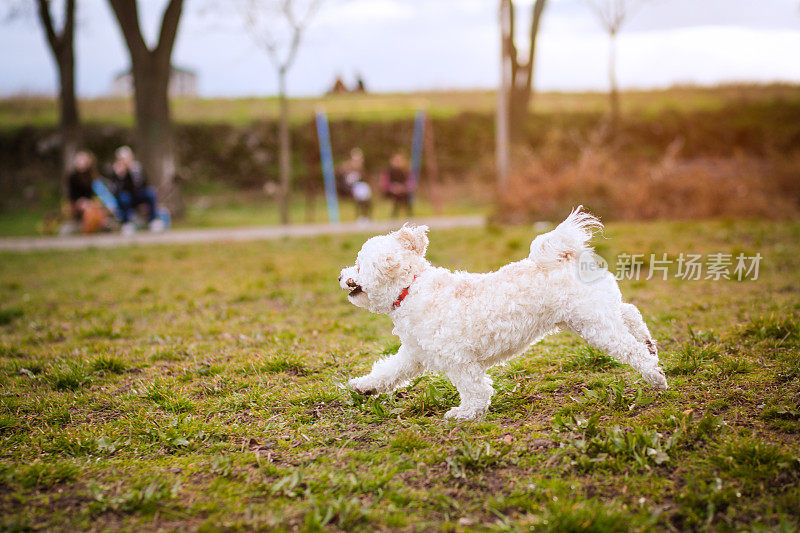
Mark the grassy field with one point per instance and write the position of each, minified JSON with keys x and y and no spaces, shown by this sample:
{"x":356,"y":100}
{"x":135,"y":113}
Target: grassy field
{"x":201,"y":388}
{"x":22,"y":111}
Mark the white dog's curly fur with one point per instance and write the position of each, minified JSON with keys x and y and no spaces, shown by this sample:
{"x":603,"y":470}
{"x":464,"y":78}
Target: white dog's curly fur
{"x":461,"y":324}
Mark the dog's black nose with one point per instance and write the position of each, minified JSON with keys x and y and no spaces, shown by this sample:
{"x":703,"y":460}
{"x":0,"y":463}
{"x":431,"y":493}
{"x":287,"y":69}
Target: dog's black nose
{"x":340,"y":277}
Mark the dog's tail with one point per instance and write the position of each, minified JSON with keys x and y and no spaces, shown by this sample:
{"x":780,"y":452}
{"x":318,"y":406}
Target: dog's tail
{"x":566,"y":241}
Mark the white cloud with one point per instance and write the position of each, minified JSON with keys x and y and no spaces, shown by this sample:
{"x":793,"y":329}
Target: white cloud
{"x":703,"y":55}
{"x":710,"y":55}
{"x":350,"y":13}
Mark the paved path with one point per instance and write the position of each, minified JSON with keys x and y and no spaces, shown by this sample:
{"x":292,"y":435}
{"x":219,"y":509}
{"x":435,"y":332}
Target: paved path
{"x":109,"y":240}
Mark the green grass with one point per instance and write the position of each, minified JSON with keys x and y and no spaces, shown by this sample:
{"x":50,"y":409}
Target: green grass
{"x":588,"y":358}
{"x":16,"y":112}
{"x":775,"y":328}
{"x":10,"y":314}
{"x":108,"y":363}
{"x":202,"y":388}
{"x":42,"y":475}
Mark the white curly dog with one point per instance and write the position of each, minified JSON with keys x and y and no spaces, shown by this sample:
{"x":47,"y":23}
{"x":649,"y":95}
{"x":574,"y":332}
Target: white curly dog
{"x":461,"y":324}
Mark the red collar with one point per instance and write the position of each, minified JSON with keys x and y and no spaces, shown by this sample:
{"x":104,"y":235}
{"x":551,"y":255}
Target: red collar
{"x":402,"y":296}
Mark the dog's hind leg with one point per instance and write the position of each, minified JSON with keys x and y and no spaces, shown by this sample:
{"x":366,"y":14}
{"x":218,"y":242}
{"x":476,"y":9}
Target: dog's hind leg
{"x":389,"y":373}
{"x":610,"y":334}
{"x":636,"y":325}
{"x":474,"y":389}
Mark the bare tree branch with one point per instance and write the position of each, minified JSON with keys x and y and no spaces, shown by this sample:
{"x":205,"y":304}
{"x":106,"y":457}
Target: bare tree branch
{"x":612,"y":14}
{"x":127,"y":14}
{"x":61,"y":44}
{"x":69,"y":20}
{"x":47,"y":21}
{"x":520,"y":71}
{"x":538,"y":9}
{"x":278,"y":26}
{"x":169,"y":28}
{"x":259,"y":15}
{"x":511,"y":44}
{"x":299,"y":29}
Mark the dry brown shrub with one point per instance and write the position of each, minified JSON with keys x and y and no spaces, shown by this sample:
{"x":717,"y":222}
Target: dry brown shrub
{"x":630,"y":188}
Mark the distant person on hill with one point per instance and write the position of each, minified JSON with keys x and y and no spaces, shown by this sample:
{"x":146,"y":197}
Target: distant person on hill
{"x":398,"y":184}
{"x":338,"y":86}
{"x":132,"y":191}
{"x":360,"y":86}
{"x":85,"y":210}
{"x":351,"y":183}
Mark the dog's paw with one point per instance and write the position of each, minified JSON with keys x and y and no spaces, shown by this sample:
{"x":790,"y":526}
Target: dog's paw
{"x":363,"y":385}
{"x":465,"y":413}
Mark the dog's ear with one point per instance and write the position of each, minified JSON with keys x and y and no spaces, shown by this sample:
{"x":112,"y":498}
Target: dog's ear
{"x":414,"y":238}
{"x":388,"y":267}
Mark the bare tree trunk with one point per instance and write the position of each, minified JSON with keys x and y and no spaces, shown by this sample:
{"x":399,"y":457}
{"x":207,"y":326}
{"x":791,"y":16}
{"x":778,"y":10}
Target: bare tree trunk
{"x":151,"y":72}
{"x":538,"y":10}
{"x":518,"y":112}
{"x":502,"y":154}
{"x":69,"y":122}
{"x":613,"y":92}
{"x":62,"y":46}
{"x":255,"y":14}
{"x":154,"y":134}
{"x":285,"y":148}
{"x":521,"y":81}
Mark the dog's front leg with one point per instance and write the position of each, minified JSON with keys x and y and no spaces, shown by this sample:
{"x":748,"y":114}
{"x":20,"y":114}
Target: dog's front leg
{"x":474,"y":389}
{"x":389,"y":373}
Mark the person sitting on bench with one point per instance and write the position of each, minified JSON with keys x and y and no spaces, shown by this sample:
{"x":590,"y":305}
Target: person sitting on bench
{"x":131,"y":190}
{"x":85,"y":211}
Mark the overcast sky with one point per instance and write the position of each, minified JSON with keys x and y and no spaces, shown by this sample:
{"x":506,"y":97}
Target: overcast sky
{"x":406,"y":45}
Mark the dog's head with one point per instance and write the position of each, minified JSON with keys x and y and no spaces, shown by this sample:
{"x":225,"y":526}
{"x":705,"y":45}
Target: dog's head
{"x":384,"y":267}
